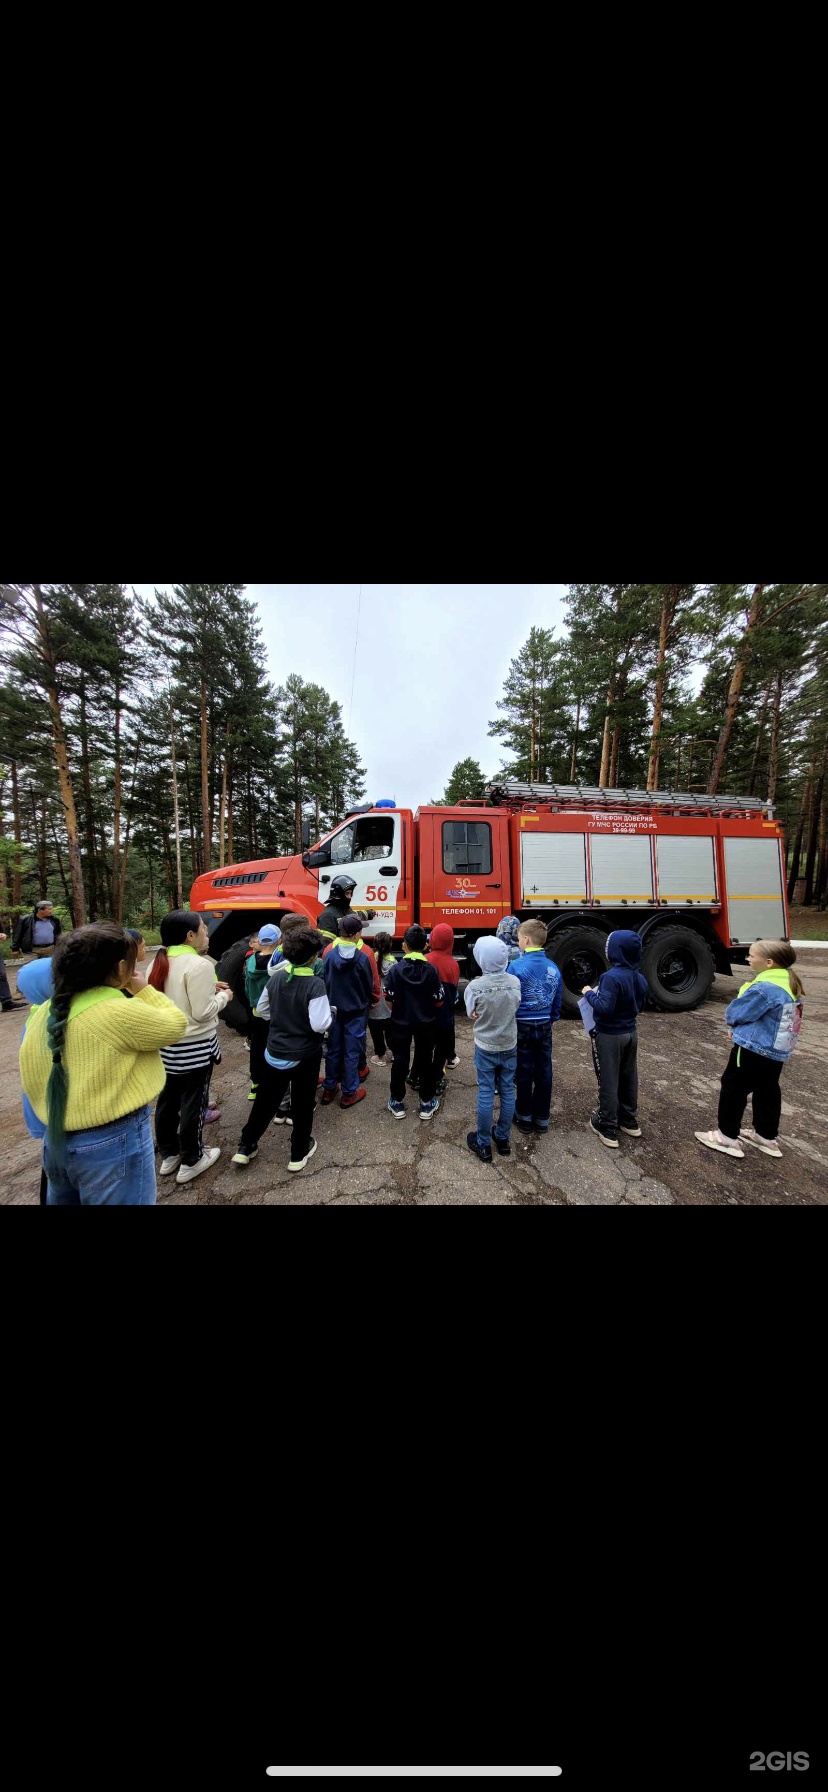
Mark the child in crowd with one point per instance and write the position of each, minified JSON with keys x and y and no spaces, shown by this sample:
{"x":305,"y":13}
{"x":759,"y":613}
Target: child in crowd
{"x":349,"y":980}
{"x":363,"y":1070}
{"x":413,"y":992}
{"x":140,"y":942}
{"x":256,"y":974}
{"x":90,"y":1066}
{"x":616,"y":1003}
{"x":507,"y":931}
{"x":540,"y":1006}
{"x":492,"y":1002}
{"x":35,"y":982}
{"x":383,"y":946}
{"x":291,"y":924}
{"x":299,"y":1012}
{"x":183,"y":972}
{"x":441,"y":955}
{"x":765,"y":1020}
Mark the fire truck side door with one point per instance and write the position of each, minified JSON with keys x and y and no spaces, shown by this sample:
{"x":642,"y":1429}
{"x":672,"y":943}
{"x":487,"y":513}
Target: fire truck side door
{"x":369,"y":849}
{"x":471,"y":882}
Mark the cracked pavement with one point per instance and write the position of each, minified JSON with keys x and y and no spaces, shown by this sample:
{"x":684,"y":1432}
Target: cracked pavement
{"x":365,"y":1158}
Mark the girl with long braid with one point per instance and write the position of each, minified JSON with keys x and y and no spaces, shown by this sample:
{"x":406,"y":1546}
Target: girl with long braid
{"x":90,"y":1065}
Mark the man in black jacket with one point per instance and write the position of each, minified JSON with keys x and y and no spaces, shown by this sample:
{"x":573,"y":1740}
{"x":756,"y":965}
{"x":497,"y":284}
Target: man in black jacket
{"x":36,"y":934}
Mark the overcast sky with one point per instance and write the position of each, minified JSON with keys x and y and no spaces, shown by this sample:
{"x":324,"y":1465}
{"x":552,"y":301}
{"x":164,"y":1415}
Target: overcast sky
{"x":430,"y":666}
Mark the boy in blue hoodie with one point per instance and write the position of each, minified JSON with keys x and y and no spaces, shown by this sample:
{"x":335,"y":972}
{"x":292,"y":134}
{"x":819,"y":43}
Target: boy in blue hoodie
{"x":616,"y":1004}
{"x":765,"y":1020}
{"x":349,"y":981}
{"x":540,"y":1006}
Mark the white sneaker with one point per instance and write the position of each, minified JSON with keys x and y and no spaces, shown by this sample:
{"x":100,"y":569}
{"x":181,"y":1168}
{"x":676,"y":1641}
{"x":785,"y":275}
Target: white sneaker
{"x":168,"y":1164}
{"x":301,"y":1162}
{"x":188,"y":1171}
{"x":752,"y":1137}
{"x":716,"y":1141}
{"x":452,"y":1063}
{"x":376,"y":1060}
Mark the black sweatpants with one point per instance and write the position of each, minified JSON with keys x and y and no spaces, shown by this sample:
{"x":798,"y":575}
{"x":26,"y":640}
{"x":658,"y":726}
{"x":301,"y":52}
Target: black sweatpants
{"x":615,"y":1056}
{"x":258,"y":1040}
{"x":273,"y":1085}
{"x":756,"y":1076}
{"x":444,"y":1046}
{"x":400,"y":1039}
{"x":179,"y":1115}
{"x":377,"y":1031}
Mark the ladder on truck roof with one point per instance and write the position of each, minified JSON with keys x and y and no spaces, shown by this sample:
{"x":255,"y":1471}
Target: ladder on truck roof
{"x":570,"y":795}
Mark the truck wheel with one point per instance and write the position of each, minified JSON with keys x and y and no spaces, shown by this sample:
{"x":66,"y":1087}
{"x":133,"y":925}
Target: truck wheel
{"x":580,"y":955}
{"x":678,"y":965}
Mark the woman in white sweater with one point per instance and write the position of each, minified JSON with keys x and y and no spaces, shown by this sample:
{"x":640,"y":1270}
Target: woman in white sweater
{"x":184,"y":974}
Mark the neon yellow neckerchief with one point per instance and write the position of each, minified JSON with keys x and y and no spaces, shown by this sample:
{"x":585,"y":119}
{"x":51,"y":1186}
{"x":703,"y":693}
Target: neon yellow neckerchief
{"x":300,"y":970}
{"x":89,"y":998}
{"x":420,"y":955}
{"x":533,"y":949}
{"x":777,"y":975}
{"x":176,"y":951}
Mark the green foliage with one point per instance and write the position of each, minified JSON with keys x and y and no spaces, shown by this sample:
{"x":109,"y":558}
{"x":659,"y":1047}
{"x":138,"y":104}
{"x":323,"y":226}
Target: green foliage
{"x":467,"y":779}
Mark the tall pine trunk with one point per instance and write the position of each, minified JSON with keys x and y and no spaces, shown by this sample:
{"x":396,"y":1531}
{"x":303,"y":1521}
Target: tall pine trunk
{"x":822,"y":875}
{"x":759,"y":737}
{"x":67,"y":793}
{"x":773,"y":755}
{"x":574,"y":759}
{"x":176,"y":820}
{"x":668,"y":609}
{"x":18,"y":834}
{"x":88,"y":806}
{"x":605,"y":744}
{"x":206,"y":813}
{"x":743,"y":654}
{"x":193,"y":846}
{"x":793,"y":875}
{"x":813,"y":835}
{"x":116,"y":818}
{"x":66,"y":890}
{"x":119,"y":904}
{"x":230,"y":858}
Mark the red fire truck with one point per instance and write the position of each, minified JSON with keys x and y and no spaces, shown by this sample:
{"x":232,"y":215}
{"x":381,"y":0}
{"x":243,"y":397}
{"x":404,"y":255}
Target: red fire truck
{"x":699,"y":877}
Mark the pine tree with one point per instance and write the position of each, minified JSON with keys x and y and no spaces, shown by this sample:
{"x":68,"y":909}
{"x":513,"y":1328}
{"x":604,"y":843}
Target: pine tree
{"x":534,"y":724}
{"x":467,"y":780}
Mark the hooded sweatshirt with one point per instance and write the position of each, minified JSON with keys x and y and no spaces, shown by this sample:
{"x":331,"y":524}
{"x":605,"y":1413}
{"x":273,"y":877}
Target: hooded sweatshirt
{"x":765,"y":1017}
{"x":622,"y":991}
{"x":441,"y":955}
{"x":413,"y":991}
{"x":349,"y":979}
{"x":492,"y":1001}
{"x":541,"y":987}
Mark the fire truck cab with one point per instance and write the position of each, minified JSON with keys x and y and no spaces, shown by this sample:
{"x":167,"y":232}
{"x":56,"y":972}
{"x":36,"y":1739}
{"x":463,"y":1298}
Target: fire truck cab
{"x":699,"y":877}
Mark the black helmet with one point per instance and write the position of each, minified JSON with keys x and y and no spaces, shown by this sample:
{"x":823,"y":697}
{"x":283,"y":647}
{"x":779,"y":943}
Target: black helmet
{"x":342,"y":887}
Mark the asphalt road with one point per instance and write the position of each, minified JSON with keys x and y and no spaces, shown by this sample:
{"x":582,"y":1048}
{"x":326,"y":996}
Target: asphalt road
{"x":367,"y":1158}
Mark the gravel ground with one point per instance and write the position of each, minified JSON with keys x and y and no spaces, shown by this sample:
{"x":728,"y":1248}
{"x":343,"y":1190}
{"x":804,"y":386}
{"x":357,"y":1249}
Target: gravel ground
{"x":366,"y":1158}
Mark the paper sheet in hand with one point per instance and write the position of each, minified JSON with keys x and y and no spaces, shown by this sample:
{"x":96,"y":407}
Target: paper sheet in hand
{"x":587,"y":1014}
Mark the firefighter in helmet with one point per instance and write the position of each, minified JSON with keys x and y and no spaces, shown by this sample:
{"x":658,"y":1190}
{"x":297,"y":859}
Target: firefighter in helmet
{"x":339,"y":904}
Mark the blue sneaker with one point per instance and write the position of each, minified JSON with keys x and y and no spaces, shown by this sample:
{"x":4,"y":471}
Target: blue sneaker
{"x":427,"y":1108}
{"x":397,"y":1108}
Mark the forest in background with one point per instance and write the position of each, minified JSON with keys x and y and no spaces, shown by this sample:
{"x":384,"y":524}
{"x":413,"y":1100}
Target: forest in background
{"x":141,"y":745}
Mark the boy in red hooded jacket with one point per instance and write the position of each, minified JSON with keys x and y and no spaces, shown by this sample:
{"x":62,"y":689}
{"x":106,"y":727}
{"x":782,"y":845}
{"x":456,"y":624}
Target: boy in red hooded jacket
{"x":441,"y":954}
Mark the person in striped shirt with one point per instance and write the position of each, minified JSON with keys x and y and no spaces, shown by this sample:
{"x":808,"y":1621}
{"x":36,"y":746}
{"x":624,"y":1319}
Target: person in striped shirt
{"x":184,"y":973}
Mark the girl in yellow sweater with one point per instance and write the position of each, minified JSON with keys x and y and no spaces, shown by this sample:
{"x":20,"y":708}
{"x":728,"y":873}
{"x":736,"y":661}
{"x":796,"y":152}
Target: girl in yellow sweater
{"x":90,"y":1065}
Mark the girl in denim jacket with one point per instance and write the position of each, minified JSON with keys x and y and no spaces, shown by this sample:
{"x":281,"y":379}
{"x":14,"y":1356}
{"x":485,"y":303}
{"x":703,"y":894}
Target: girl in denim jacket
{"x":764,"y":1020}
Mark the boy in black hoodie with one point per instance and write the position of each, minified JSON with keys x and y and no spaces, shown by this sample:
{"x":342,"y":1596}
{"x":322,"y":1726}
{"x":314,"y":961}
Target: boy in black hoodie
{"x":413,"y":992}
{"x":616,"y":1004}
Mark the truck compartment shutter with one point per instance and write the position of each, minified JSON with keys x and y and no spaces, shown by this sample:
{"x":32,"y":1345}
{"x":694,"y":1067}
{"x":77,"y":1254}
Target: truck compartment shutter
{"x":756,"y":910}
{"x":553,"y":867}
{"x":622,"y":868}
{"x":686,"y":868}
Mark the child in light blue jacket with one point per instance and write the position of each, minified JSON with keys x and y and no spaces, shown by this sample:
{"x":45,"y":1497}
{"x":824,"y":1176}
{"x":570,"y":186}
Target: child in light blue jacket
{"x":764,"y":1020}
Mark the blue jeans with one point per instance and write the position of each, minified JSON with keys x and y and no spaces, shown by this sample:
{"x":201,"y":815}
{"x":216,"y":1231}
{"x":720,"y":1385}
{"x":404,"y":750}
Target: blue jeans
{"x":495,"y":1074}
{"x":534,"y":1073}
{"x":346,"y":1041}
{"x":107,"y":1166}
